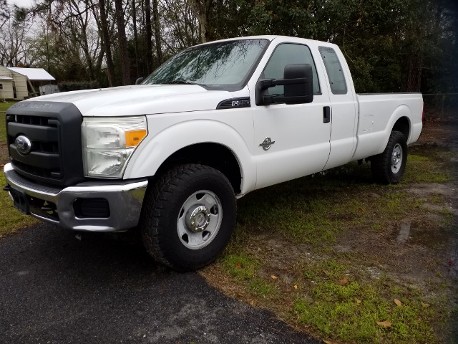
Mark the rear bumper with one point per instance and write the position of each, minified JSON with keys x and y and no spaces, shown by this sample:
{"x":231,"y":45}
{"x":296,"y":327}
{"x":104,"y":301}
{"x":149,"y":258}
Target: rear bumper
{"x":124,"y":200}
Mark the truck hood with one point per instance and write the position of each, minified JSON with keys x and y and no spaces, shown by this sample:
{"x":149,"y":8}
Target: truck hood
{"x":142,"y":99}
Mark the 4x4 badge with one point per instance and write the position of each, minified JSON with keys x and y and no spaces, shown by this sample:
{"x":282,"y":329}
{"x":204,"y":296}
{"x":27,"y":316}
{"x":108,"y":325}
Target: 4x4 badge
{"x":266,"y":143}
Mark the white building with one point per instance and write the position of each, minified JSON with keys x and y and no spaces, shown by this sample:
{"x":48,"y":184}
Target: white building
{"x":19,"y":83}
{"x":6,"y":87}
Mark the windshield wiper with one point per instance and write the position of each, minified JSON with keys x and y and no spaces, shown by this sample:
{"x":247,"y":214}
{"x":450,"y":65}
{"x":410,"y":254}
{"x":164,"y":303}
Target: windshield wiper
{"x":181,"y":82}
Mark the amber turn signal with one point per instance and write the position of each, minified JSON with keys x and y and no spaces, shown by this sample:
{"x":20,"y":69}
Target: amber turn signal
{"x":134,"y":137}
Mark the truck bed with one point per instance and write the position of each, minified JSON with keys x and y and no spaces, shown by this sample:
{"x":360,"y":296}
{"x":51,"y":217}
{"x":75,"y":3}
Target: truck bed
{"x":377,"y":114}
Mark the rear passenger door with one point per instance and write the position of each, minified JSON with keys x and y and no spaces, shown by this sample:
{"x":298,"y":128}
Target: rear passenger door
{"x":298,"y":134}
{"x":344,"y":109}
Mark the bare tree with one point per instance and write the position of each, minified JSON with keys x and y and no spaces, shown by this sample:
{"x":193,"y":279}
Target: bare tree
{"x":4,"y":13}
{"x":13,"y":45}
{"x":180,"y":26}
{"x":134,"y":25}
{"x":157,"y":32}
{"x":122,"y":42}
{"x":102,"y":22}
{"x":73,"y":21}
{"x":202,"y":8}
{"x":148,"y":37}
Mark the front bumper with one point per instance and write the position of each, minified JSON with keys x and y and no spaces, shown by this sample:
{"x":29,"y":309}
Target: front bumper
{"x":57,"y":206}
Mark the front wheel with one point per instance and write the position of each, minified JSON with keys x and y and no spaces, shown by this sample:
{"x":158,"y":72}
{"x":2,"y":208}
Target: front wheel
{"x":188,"y":216}
{"x":389,"y":166}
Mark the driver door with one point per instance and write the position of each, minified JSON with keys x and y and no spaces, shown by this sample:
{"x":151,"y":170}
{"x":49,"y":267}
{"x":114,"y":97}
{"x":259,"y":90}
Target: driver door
{"x":291,"y":140}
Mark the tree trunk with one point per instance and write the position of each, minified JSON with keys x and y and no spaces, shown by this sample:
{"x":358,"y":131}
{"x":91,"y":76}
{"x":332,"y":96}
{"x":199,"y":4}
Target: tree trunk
{"x":134,"y":24}
{"x":201,"y":8}
{"x":122,"y":41}
{"x":149,"y":37}
{"x":157,"y":32}
{"x":106,"y":41}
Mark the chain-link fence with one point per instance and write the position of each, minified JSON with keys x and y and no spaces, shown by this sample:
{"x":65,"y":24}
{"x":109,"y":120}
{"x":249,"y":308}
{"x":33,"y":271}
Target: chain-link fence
{"x":440,"y":106}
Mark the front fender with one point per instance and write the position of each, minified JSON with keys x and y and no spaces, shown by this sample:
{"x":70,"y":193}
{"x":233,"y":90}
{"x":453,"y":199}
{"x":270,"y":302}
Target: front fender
{"x":156,"y":148}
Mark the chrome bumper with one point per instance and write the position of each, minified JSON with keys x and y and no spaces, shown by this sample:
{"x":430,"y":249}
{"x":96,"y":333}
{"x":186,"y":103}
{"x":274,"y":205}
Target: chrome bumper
{"x":124,"y":198}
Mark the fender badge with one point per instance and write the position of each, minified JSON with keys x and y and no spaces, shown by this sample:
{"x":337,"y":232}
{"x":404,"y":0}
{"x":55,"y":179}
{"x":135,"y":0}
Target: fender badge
{"x":267,"y":143}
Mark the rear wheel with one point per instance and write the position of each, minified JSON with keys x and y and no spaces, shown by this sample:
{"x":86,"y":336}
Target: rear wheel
{"x":188,"y":216}
{"x":389,"y":166}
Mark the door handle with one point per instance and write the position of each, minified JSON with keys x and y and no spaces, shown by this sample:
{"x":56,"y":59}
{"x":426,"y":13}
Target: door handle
{"x":326,"y":114}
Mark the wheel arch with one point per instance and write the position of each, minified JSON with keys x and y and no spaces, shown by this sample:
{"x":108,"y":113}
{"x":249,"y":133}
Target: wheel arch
{"x":216,"y":155}
{"x":403,"y":125}
{"x":399,"y":121}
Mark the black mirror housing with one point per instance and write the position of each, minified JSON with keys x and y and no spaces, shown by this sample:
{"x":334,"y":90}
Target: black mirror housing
{"x":301,"y":92}
{"x":297,"y":82}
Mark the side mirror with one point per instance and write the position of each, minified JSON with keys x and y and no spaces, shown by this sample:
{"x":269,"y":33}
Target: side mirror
{"x":302,"y":91}
{"x":139,"y":80}
{"x":298,"y":86}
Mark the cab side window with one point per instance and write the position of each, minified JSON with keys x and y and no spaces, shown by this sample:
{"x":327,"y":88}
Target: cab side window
{"x":334,"y":70}
{"x":285,"y":54}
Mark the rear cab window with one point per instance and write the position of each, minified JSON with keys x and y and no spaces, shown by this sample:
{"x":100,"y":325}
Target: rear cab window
{"x":334,"y":70}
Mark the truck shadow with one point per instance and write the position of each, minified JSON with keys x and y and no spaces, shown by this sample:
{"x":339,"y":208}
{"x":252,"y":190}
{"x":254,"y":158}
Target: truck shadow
{"x":106,"y":254}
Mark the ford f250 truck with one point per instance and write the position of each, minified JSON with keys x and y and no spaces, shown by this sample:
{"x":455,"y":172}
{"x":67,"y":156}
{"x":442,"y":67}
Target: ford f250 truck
{"x":170,"y":156}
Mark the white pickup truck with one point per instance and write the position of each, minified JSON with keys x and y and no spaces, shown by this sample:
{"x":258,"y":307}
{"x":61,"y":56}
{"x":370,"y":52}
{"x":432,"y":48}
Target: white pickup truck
{"x":170,"y":156}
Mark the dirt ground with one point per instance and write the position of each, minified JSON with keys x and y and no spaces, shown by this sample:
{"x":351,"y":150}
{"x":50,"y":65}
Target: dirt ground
{"x":3,"y":154}
{"x":444,"y":134}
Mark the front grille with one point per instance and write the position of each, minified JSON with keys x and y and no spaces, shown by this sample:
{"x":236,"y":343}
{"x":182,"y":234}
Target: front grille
{"x":35,"y":120}
{"x":43,"y":160}
{"x":54,"y":131}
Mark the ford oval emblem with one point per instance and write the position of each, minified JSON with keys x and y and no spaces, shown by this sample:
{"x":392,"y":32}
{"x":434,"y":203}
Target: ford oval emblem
{"x":23,"y":144}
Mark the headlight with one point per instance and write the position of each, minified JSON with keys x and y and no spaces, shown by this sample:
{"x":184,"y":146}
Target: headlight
{"x":108,"y":144}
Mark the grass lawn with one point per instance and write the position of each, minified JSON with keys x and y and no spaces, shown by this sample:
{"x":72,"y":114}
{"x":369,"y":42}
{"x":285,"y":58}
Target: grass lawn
{"x":3,"y":107}
{"x":324,"y":254}
{"x":10,"y":218}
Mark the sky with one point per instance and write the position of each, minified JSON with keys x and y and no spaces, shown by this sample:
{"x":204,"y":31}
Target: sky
{"x":20,"y":3}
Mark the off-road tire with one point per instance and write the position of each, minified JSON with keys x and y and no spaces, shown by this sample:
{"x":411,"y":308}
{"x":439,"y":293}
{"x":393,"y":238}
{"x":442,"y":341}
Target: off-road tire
{"x":163,"y":206}
{"x":384,"y":168}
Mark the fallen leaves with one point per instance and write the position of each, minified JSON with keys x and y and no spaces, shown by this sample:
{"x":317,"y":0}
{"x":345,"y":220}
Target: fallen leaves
{"x":343,"y":281}
{"x":328,"y":342}
{"x":358,"y":301}
{"x":387,"y":323}
{"x":384,"y":324}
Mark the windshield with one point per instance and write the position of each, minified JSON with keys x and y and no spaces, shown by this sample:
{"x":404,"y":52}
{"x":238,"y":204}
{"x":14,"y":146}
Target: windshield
{"x":224,"y":65}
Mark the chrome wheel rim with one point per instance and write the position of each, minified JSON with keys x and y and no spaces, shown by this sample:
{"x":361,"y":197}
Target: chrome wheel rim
{"x":396,"y":158}
{"x":199,"y":219}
